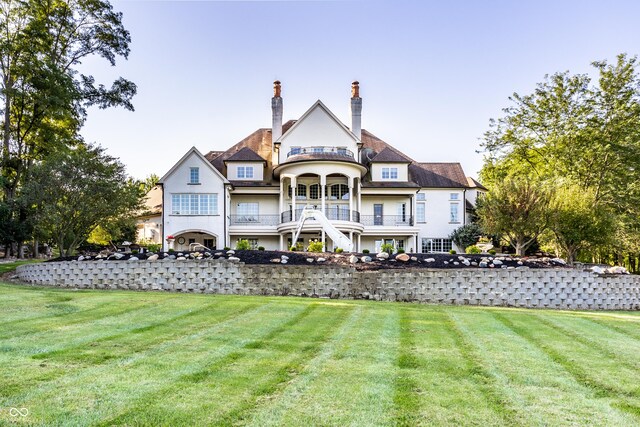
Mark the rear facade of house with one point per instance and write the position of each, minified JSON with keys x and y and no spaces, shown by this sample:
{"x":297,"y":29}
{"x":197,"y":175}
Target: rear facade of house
{"x":257,"y":189}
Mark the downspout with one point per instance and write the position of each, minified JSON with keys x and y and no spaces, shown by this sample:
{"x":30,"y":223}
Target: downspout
{"x":162,"y":221}
{"x":227,"y":197}
{"x":464,"y":207}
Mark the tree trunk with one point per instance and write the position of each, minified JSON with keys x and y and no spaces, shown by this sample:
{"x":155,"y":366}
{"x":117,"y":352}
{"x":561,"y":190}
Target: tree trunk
{"x":7,"y":120}
{"x":36,"y":251}
{"x":519,"y":248}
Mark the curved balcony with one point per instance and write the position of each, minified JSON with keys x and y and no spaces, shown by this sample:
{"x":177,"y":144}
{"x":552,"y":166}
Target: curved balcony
{"x":331,"y":213}
{"x":321,"y":152}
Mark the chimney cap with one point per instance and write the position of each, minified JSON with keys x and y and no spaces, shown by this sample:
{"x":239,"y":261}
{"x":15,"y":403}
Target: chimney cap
{"x":276,"y":88}
{"x":355,"y":89}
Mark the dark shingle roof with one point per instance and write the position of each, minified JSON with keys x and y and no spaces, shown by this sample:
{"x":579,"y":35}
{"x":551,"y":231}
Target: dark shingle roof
{"x":390,"y":155}
{"x":245,"y":154}
{"x":438,"y":175}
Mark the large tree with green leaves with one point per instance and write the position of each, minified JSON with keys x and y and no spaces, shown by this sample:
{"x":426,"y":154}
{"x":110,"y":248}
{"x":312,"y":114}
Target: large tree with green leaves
{"x":516,"y":209}
{"x":578,"y":130}
{"x":43,"y":96}
{"x":76,"y":190}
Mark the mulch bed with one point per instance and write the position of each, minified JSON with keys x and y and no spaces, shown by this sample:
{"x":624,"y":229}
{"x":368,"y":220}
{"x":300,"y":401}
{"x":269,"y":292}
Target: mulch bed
{"x":443,"y":261}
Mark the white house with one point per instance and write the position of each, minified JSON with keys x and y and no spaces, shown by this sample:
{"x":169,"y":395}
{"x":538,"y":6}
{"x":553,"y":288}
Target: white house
{"x":368,"y":190}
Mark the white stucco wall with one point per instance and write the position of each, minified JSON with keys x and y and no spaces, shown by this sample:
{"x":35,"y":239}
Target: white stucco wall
{"x":149,"y":229}
{"x":270,"y":243}
{"x":258,"y":170}
{"x":437,"y":213}
{"x":376,"y":172}
{"x":210,"y":182}
{"x":318,"y":128}
{"x":267,"y":204}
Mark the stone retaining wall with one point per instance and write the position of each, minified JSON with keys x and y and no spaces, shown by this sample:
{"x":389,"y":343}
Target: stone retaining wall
{"x":523,"y":287}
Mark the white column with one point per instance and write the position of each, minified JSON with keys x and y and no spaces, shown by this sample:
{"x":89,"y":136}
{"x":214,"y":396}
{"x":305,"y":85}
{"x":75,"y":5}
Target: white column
{"x":294,"y":191}
{"x":282,"y":194}
{"x":350,"y":199}
{"x":359,"y":243}
{"x":281,"y":242}
{"x":324,"y":241}
{"x":323,"y":193}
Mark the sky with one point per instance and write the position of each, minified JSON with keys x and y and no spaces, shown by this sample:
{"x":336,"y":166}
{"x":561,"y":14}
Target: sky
{"x":432,"y":74}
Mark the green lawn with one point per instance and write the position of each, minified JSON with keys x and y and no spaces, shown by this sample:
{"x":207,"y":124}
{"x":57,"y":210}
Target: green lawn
{"x":126,"y":358}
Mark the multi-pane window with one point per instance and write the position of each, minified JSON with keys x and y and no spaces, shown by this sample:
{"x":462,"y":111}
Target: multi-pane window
{"x":339,"y":192}
{"x":194,"y":204}
{"x":295,"y":150}
{"x":421,"y":197}
{"x":302,"y":192}
{"x":453,"y":212}
{"x":247,"y":212}
{"x":194,"y":175}
{"x":314,"y":191}
{"x":430,"y":244}
{"x":245,"y":171}
{"x":253,"y":243}
{"x":420,"y":212}
{"x":389,"y":173}
{"x":454,"y":196}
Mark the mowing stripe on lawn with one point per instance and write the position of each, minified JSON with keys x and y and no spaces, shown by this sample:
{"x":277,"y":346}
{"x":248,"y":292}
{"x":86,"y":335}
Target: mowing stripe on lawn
{"x":633,"y":333}
{"x":270,"y":410}
{"x":592,"y":342}
{"x":578,"y":373}
{"x":286,"y":373}
{"x":128,"y":361}
{"x":406,"y":398}
{"x":487,"y":382}
{"x":205,"y":358}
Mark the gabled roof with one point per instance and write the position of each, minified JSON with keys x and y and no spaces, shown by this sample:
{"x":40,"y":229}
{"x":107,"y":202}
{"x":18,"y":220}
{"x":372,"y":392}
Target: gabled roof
{"x":245,"y":154}
{"x":473,"y":183}
{"x":317,"y":105}
{"x":390,"y":155}
{"x":438,"y":175}
{"x":195,"y":151}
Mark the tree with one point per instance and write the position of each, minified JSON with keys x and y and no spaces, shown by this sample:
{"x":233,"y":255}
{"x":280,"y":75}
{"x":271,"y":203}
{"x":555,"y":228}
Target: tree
{"x":580,"y":131}
{"x":578,"y":221}
{"x":516,"y":209}
{"x":466,"y":235}
{"x":43,"y":97}
{"x":78,"y":189}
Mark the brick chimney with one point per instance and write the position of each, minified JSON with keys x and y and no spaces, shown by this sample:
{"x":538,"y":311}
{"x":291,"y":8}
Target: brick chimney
{"x":276,"y":108}
{"x":356,"y":110}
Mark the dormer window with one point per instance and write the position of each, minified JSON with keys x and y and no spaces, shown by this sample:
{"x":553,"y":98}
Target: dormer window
{"x":389,"y":173}
{"x":245,"y":172}
{"x":194,"y":175}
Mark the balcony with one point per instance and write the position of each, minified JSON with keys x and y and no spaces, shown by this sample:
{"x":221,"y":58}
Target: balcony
{"x":251,"y":220}
{"x":386,"y":220}
{"x":321,"y":151}
{"x":332,"y":214}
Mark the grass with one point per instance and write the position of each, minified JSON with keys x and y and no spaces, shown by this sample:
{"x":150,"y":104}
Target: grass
{"x":125,"y":358}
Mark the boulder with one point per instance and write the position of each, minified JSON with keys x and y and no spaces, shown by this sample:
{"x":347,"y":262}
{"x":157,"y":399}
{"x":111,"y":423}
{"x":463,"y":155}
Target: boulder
{"x":180,"y":258}
{"x":231,"y":252}
{"x":153,"y":257}
{"x":353,"y":259}
{"x":321,"y":259}
{"x":414,"y":258}
{"x":233,"y":259}
{"x":309,"y":260}
{"x":80,"y":258}
{"x":118,"y":255}
{"x":284,"y":261}
{"x":403,"y":257}
{"x":483,"y":264}
{"x":284,"y":257}
{"x":382,"y":255}
{"x":133,"y":258}
{"x":365,"y":258}
{"x":430,"y":260}
{"x":497,"y":262}
{"x":275,"y":261}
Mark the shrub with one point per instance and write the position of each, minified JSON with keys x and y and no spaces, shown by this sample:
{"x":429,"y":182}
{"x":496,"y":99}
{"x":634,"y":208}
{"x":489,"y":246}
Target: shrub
{"x":339,"y":250}
{"x":400,"y":251}
{"x":388,"y":248}
{"x":452,"y":252}
{"x":243,"y":245}
{"x":473,"y":249}
{"x":315,"y":246}
{"x":226,"y":248}
{"x":492,"y":252}
{"x":134,"y":251}
{"x":171,"y":251}
{"x":466,"y":235}
{"x":365,"y":251}
{"x":261,"y":248}
{"x":293,"y":248}
{"x":154,"y":247}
